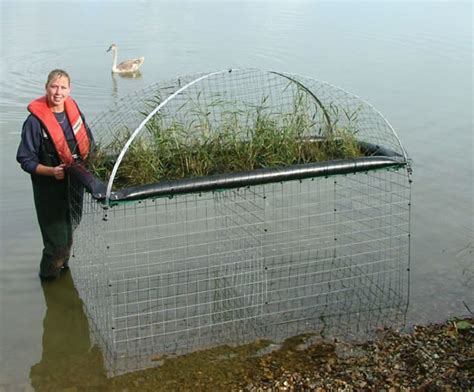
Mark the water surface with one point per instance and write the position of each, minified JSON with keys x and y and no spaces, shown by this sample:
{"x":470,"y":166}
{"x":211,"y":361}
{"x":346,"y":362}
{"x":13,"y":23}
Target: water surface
{"x":412,"y":61}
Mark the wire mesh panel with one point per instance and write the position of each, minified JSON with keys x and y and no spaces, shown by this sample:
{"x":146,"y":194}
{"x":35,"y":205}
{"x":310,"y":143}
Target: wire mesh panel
{"x":170,"y":275}
{"x":172,"y":267}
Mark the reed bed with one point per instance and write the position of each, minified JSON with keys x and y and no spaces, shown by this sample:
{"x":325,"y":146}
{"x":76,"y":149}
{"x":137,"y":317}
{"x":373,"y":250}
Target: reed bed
{"x":242,"y":140}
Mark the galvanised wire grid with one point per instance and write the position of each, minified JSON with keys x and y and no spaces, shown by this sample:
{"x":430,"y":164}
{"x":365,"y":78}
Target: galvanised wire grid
{"x":166,"y":275}
{"x":171,"y":275}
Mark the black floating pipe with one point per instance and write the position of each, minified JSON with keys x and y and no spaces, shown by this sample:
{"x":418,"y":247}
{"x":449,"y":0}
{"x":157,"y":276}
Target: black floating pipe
{"x":379,"y":157}
{"x":254,"y":177}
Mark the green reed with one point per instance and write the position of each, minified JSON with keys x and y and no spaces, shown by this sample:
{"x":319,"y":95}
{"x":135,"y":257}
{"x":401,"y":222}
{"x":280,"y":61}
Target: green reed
{"x":245,"y":139}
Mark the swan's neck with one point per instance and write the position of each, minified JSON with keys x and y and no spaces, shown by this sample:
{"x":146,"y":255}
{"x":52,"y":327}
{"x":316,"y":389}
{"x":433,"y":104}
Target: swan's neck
{"x":114,"y":64}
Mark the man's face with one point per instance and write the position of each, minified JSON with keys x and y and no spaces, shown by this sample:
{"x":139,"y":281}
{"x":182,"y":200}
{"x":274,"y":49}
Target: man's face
{"x":57,"y":91}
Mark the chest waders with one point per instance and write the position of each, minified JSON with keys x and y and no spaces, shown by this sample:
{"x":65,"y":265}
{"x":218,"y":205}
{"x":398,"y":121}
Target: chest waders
{"x":53,"y":199}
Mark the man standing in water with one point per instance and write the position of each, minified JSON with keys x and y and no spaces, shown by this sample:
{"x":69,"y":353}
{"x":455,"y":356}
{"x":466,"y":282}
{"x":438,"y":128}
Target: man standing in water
{"x":54,"y":136}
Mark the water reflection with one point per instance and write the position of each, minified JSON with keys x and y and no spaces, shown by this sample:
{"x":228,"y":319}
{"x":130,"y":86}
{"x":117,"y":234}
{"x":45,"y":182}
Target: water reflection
{"x":68,"y":359}
{"x":132,"y":75}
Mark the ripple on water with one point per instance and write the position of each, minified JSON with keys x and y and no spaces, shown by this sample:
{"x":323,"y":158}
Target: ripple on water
{"x":454,"y":48}
{"x":27,"y":74}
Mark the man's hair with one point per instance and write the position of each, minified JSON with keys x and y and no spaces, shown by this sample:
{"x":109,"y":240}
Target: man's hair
{"x":57,"y":73}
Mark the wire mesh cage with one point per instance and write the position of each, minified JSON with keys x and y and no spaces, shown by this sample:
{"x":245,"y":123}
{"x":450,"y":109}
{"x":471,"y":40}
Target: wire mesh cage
{"x":182,"y":264}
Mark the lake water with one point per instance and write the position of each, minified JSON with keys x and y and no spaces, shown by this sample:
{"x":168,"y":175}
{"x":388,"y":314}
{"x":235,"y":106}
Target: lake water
{"x":412,"y":61}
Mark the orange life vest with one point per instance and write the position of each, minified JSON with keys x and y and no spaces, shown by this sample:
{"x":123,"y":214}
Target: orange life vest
{"x":40,"y":109}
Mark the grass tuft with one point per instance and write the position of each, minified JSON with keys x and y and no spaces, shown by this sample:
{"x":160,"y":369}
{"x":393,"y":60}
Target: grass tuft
{"x":241,"y":140}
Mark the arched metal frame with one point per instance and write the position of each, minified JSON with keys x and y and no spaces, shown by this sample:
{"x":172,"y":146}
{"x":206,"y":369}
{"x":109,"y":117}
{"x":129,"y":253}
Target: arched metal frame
{"x":301,"y":82}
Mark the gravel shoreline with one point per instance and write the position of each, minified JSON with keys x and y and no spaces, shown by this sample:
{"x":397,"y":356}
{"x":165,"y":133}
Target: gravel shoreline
{"x":438,"y":357}
{"x":431,"y":358}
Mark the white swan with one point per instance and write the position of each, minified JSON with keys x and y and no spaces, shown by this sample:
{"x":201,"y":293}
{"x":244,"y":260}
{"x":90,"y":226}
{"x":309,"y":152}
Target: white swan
{"x":127,"y":66}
